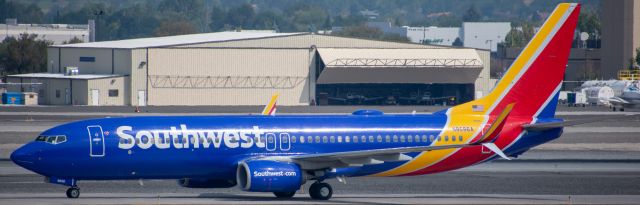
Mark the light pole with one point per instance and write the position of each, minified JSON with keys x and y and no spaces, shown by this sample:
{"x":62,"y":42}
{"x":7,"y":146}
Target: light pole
{"x":489,"y":41}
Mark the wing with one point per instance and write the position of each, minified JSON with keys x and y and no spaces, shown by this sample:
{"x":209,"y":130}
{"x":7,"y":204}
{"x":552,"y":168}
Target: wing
{"x":378,"y":156}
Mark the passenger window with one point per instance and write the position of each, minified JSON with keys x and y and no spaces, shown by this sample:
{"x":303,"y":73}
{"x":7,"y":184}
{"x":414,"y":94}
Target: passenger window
{"x":446,"y":138}
{"x":431,"y":138}
{"x":410,"y":138}
{"x":424,"y":138}
{"x":339,"y":139}
{"x":453,"y":138}
{"x":379,"y":138}
{"x":332,"y":139}
{"x":317,"y":139}
{"x":402,"y":138}
{"x":439,"y":138}
{"x":355,"y":139}
{"x":387,"y":138}
{"x":347,"y":139}
{"x":395,"y":138}
{"x":325,"y":139}
{"x":363,"y":139}
{"x":301,"y":139}
{"x":294,"y":139}
{"x":371,"y":138}
{"x":460,"y":138}
{"x":417,"y":138}
{"x":309,"y":139}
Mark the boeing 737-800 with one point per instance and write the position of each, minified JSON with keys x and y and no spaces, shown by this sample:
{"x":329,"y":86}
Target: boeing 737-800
{"x":279,"y":154}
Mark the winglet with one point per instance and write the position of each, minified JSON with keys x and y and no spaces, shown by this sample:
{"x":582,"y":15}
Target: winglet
{"x":493,"y":131}
{"x":270,"y":108}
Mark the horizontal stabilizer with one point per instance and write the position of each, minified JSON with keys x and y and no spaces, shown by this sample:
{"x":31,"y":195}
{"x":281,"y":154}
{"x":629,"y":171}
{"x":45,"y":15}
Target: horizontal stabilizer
{"x":496,"y":150}
{"x":552,"y":125}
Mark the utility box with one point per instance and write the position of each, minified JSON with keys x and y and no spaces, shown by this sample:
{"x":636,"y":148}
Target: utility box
{"x":30,"y":98}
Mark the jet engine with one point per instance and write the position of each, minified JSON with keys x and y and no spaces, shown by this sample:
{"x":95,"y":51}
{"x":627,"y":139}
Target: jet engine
{"x":206,"y":183}
{"x":269,"y":176}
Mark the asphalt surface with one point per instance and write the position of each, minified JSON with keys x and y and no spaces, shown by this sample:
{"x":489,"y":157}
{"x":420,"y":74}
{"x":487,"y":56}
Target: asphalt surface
{"x":597,"y":163}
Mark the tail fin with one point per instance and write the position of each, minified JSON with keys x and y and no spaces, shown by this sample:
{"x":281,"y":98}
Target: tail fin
{"x":270,"y":108}
{"x":534,"y":79}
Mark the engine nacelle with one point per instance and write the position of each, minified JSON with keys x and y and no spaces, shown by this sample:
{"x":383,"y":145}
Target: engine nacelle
{"x":269,"y":176}
{"x":206,"y":183}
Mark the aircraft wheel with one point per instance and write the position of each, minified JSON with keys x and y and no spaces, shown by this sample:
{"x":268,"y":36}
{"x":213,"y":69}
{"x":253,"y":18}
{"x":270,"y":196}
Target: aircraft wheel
{"x":614,"y":109}
{"x":73,"y":192}
{"x":284,"y":195}
{"x":621,"y":109}
{"x":320,"y":191}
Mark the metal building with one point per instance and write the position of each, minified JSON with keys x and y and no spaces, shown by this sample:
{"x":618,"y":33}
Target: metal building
{"x":239,"y":68}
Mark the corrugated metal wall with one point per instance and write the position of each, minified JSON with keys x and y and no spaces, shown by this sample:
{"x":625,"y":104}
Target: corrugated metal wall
{"x":103,"y":85}
{"x":228,"y":76}
{"x":483,"y":83}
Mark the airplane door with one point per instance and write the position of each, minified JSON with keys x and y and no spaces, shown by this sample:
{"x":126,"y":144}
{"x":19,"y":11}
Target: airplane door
{"x":271,"y":142}
{"x":285,"y":142}
{"x":96,"y":141}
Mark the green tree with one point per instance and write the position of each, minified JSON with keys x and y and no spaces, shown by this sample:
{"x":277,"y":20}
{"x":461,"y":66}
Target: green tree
{"x":360,"y":31}
{"x":241,"y":17}
{"x":26,"y":54}
{"x":471,"y":15}
{"x":638,"y":56}
{"x":73,"y":40}
{"x":514,"y":39}
{"x":217,"y":18}
{"x":172,"y":28}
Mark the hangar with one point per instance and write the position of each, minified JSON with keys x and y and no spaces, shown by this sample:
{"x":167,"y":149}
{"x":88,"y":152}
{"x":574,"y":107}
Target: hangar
{"x":246,"y":68}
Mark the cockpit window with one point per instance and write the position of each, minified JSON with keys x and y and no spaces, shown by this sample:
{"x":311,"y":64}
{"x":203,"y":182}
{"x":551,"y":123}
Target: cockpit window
{"x":41,"y":138}
{"x":52,"y":139}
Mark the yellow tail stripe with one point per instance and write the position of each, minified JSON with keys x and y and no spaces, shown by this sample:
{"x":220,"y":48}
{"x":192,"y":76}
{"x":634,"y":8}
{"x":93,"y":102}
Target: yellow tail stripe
{"x":463,"y":115}
{"x":269,"y":107}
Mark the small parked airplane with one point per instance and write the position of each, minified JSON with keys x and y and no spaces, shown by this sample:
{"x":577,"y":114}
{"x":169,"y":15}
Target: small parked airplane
{"x":280,"y":153}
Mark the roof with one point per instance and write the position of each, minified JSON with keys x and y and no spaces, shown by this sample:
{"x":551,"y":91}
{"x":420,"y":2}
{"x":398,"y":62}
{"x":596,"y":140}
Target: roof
{"x":424,"y":66}
{"x":176,"y":40}
{"x":62,"y":76}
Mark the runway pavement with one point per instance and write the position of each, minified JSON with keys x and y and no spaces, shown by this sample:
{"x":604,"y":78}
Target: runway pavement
{"x":596,"y":163}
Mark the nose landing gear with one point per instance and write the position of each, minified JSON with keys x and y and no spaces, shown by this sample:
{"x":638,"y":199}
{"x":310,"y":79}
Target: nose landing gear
{"x":320,"y":191}
{"x":73,"y":192}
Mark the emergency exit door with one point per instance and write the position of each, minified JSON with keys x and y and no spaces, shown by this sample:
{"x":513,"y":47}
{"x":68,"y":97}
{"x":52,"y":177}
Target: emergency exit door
{"x":96,"y":141}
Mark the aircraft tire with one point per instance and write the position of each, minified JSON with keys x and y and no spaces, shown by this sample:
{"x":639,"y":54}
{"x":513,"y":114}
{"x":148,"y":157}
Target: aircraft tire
{"x":284,"y":195}
{"x":320,"y":191}
{"x":73,"y":192}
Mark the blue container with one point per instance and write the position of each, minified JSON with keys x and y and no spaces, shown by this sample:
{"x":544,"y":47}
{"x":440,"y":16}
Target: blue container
{"x":12,"y":98}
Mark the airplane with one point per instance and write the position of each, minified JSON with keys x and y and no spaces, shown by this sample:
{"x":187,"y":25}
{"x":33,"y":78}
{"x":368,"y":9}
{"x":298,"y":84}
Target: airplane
{"x":426,"y":98}
{"x":352,"y":98}
{"x":281,"y":153}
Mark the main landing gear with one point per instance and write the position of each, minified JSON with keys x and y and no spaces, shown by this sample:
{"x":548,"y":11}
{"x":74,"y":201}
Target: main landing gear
{"x":73,"y":192}
{"x":320,"y":191}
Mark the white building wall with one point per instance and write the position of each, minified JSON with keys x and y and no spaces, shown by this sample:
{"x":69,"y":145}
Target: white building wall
{"x":444,"y":36}
{"x":483,"y":84}
{"x":484,"y":35}
{"x":178,"y":76}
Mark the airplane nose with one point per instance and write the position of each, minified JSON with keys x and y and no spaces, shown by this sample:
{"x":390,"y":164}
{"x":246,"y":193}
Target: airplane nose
{"x":23,"y":156}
